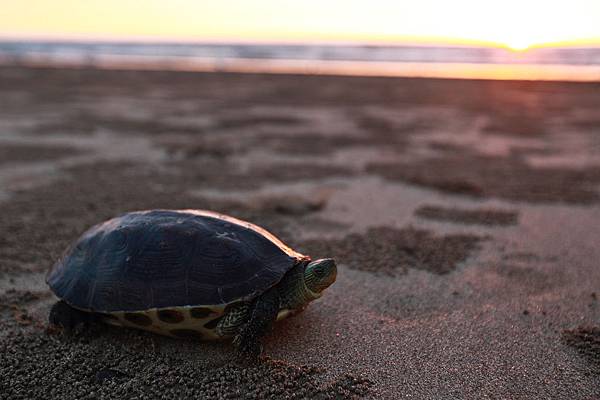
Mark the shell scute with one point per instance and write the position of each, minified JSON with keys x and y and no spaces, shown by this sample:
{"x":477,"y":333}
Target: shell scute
{"x":170,"y":316}
{"x":138,"y":319}
{"x":201,"y":312}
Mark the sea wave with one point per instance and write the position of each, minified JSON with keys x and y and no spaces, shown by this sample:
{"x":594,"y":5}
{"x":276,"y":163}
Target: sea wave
{"x":372,"y":60}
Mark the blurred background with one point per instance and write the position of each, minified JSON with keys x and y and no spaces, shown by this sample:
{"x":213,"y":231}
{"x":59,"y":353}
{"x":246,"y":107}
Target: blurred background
{"x":462,"y":38}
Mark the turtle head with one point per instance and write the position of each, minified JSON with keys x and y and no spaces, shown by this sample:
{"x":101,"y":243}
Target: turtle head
{"x":320,"y":274}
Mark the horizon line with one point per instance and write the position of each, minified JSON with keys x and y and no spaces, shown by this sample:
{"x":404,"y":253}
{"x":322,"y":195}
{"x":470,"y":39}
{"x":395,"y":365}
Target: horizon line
{"x":423,"y":41}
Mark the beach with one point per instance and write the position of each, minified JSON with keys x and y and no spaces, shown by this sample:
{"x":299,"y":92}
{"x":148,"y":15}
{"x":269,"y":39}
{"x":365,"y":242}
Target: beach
{"x":463,"y":215}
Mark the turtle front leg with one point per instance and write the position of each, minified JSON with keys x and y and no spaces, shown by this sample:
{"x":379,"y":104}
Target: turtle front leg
{"x":234,"y":319}
{"x":263,"y":314}
{"x":67,"y":317}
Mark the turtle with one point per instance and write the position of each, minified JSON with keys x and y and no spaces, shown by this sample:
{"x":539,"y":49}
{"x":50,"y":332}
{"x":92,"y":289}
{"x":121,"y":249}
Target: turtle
{"x":185,"y":273}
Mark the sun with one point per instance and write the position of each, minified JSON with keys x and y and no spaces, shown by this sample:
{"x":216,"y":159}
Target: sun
{"x":518,"y":44}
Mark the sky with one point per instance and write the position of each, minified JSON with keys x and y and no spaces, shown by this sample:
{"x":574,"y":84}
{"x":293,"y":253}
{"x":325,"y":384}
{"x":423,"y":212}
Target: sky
{"x":517,"y":24}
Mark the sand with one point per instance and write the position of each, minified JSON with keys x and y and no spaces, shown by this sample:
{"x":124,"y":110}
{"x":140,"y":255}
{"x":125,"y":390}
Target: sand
{"x":462,"y":215}
{"x":470,"y":217}
{"x":391,"y":251}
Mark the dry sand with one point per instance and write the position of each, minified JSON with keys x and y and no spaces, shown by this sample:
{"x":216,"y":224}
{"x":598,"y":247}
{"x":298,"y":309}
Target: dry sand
{"x":463,"y":215}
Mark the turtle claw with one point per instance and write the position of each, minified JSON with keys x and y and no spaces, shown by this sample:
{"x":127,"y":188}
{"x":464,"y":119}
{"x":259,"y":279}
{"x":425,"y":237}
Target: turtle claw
{"x":247,"y":349}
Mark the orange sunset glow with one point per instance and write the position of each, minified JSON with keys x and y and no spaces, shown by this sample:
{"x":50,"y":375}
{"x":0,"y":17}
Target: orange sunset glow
{"x":515,"y":24}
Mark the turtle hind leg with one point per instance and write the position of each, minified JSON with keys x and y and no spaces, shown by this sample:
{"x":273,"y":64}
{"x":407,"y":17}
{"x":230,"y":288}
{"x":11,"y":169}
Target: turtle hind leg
{"x":67,"y":317}
{"x":263,"y":314}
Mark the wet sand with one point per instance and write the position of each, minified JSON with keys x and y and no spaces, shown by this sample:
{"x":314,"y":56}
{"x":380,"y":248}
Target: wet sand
{"x":463,"y":215}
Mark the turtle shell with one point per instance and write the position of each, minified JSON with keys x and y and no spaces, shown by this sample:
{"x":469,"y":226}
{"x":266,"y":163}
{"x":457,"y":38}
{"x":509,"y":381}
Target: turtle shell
{"x":169,"y":258}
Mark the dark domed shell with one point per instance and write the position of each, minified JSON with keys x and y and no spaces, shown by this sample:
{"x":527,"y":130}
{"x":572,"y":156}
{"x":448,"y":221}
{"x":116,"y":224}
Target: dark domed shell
{"x":163,"y":258}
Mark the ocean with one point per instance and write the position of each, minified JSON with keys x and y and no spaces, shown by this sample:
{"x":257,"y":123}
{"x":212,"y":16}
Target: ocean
{"x":567,"y":63}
